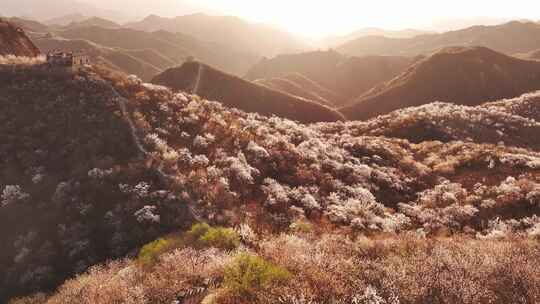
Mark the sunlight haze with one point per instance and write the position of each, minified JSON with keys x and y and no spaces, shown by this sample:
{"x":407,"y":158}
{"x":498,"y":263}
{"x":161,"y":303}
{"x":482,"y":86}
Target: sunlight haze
{"x":319,"y":18}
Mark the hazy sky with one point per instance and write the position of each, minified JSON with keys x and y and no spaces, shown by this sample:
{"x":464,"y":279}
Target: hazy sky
{"x":321,"y":17}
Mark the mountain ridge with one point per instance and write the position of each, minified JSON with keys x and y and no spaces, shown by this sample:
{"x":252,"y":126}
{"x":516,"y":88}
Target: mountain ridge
{"x":464,"y":75}
{"x":227,"y":30}
{"x":349,"y":77}
{"x":524,"y":39}
{"x":209,"y":83}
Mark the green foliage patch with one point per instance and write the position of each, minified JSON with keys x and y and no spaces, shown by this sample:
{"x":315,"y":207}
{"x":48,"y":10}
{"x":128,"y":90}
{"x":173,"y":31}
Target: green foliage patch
{"x":249,"y":273}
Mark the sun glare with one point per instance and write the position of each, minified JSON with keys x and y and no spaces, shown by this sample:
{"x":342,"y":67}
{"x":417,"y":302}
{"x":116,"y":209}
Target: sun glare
{"x":320,"y":18}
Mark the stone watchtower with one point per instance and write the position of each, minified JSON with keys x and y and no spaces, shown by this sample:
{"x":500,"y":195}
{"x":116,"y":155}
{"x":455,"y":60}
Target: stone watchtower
{"x":67,"y":60}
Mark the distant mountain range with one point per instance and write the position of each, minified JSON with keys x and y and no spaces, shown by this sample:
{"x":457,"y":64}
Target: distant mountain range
{"x":227,"y":30}
{"x":335,"y":41}
{"x":55,"y":10}
{"x":234,"y":47}
{"x":348,"y":77}
{"x":212,"y":84}
{"x":509,"y":38}
{"x":94,"y":21}
{"x":461,"y":75}
{"x":145,"y":54}
{"x":66,"y":19}
{"x":176,"y":46}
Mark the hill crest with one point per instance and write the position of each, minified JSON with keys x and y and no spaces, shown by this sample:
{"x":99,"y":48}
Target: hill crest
{"x":201,"y":79}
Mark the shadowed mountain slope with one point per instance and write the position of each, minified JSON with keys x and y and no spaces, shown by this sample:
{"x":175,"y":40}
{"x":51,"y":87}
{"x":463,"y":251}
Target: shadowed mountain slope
{"x":58,"y":133}
{"x":209,"y":83}
{"x":13,"y":41}
{"x":466,"y":76}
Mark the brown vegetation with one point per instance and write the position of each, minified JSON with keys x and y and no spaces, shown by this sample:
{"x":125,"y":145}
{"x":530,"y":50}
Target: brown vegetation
{"x":513,"y":122}
{"x":322,"y":269}
{"x":322,"y":213}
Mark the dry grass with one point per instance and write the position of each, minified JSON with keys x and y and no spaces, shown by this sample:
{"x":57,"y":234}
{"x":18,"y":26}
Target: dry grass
{"x":328,"y":269}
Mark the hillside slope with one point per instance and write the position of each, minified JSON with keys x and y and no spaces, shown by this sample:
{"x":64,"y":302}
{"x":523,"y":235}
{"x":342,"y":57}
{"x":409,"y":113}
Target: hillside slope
{"x":524,"y":38}
{"x":465,"y":76}
{"x":212,"y":84}
{"x":67,"y":146}
{"x":513,"y":122}
{"x":348,"y":77}
{"x":13,"y":41}
{"x":112,"y":163}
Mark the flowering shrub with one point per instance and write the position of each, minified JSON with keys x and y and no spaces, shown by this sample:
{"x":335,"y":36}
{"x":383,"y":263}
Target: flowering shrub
{"x":173,"y":159}
{"x":13,"y":194}
{"x":21,"y":60}
{"x":146,"y":214}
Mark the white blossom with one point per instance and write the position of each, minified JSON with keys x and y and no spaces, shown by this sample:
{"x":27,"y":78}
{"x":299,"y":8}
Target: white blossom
{"x":13,"y":194}
{"x":147,"y":215}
